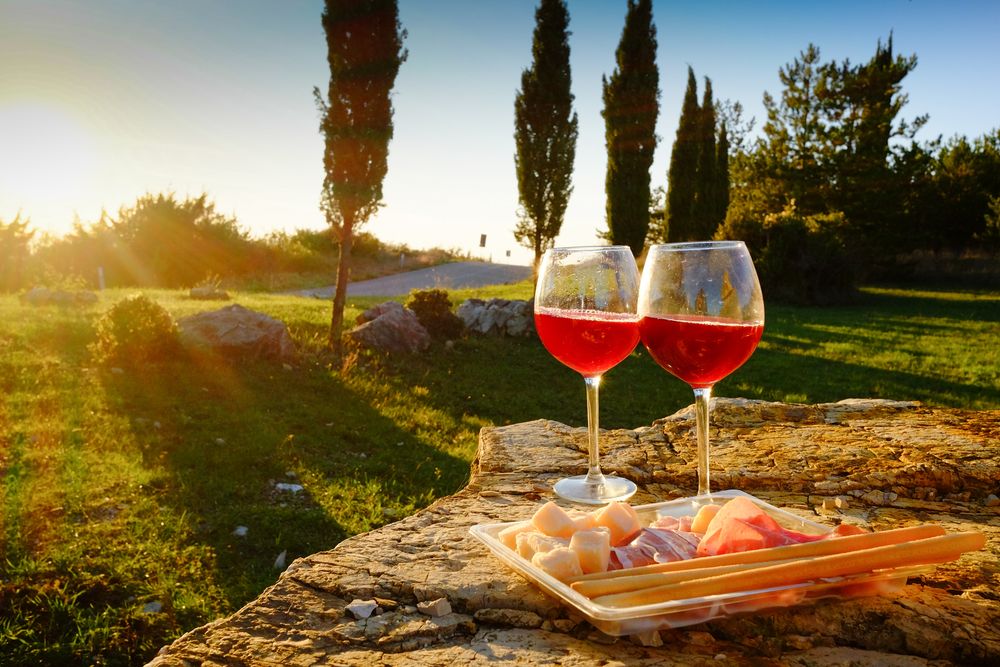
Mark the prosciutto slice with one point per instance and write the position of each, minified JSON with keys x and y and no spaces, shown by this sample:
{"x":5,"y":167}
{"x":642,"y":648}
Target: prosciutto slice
{"x":653,"y":545}
{"x":742,"y":526}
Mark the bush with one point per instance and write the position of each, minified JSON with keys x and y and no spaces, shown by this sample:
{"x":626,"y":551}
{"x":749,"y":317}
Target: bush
{"x":135,"y":332}
{"x":433,"y":309}
{"x":800,"y":260}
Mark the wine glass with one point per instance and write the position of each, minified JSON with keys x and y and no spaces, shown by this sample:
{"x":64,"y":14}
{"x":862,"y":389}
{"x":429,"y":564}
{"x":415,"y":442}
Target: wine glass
{"x":585,"y":314}
{"x":701,"y":315}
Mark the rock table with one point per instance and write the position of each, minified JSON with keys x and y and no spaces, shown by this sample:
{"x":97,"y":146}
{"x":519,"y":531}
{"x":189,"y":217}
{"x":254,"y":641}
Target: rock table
{"x":895,"y":463}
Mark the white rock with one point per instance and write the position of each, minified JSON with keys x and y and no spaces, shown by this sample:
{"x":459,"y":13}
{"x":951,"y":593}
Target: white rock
{"x":279,"y":562}
{"x":361,"y":608}
{"x":439,"y":607}
{"x":220,"y":441}
{"x":291,"y":473}
{"x":157,"y":425}
{"x":152,"y":608}
{"x":117,"y":371}
{"x":294,"y":488}
{"x":992,"y":500}
{"x":240,"y":531}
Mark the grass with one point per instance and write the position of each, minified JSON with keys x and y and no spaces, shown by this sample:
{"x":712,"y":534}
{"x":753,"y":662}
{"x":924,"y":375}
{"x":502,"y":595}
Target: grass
{"x":121,"y":492}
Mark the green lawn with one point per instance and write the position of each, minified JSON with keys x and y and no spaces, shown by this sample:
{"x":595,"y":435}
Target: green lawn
{"x":118,"y":490}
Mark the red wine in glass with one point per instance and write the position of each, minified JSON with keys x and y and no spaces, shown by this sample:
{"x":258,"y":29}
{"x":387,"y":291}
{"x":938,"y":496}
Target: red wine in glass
{"x":699,"y":350}
{"x":701,"y":316}
{"x":589,"y":342}
{"x":585,"y":313}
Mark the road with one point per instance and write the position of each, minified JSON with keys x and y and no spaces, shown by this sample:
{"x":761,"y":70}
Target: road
{"x":456,"y":275}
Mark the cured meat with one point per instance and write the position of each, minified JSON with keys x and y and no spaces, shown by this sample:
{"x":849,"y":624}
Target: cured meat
{"x":667,"y":546}
{"x":742,"y":526}
{"x":626,"y":557}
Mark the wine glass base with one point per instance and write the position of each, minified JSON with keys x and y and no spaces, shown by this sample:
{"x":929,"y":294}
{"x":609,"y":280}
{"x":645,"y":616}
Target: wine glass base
{"x":579,"y":490}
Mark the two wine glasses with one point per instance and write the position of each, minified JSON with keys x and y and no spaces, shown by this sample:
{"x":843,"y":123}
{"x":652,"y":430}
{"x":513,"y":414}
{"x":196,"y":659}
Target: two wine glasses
{"x":697,"y":308}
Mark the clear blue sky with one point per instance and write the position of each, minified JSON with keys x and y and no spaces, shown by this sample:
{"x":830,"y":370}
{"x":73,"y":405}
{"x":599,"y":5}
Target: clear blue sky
{"x":103,"y":100}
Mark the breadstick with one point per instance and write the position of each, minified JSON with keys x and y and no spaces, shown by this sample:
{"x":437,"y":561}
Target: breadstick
{"x":804,"y":550}
{"x":930,"y":550}
{"x":612,"y":586}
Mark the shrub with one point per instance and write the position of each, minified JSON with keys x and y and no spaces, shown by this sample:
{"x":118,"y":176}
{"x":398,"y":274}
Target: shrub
{"x":135,"y":332}
{"x":433,"y":309}
{"x":800,"y":260}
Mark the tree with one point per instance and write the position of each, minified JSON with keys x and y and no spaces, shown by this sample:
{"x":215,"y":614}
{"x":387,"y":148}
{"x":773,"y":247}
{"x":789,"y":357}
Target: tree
{"x":631,"y":105}
{"x":14,"y":251}
{"x":721,"y":183}
{"x":545,"y":132}
{"x":365,"y":49}
{"x":682,"y":175}
{"x":706,"y":185}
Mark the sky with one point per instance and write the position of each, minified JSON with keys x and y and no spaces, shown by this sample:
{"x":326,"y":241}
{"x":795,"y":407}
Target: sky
{"x":102,"y":101}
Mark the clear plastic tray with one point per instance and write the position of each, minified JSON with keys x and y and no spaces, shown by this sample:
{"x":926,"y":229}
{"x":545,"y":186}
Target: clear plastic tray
{"x":617,"y":621}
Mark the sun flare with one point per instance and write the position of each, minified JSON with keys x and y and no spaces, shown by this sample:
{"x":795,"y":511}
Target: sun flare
{"x":48,"y":155}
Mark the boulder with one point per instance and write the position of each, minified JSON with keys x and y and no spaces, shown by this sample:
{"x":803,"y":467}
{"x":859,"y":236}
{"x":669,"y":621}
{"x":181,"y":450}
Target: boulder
{"x":37,"y":296}
{"x":238,"y":333}
{"x":498,"y":317}
{"x":208,"y":294}
{"x":392,"y":328}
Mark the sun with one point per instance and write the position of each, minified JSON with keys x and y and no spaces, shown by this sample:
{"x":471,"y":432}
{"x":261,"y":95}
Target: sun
{"x":46,"y":156}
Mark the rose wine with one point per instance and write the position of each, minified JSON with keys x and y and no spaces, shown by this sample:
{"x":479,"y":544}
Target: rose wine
{"x":588,"y":341}
{"x":699,"y":350}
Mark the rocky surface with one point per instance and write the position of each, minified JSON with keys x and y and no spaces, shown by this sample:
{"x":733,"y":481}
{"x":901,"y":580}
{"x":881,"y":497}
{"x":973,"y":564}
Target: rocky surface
{"x":498,"y":317}
{"x":390,"y":327}
{"x":238,"y":333}
{"x":895,"y":463}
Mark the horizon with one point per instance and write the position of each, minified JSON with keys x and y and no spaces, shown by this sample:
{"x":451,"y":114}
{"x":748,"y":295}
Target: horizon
{"x":102,"y":102}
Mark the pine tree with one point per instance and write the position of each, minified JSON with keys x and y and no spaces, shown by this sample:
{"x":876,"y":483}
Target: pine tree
{"x":706,"y":194}
{"x":545,"y":131}
{"x":682,"y":176}
{"x":365,"y":49}
{"x":631,"y":105}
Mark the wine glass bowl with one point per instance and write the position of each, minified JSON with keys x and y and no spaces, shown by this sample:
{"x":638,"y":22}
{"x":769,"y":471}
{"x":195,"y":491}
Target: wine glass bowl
{"x":701,"y":315}
{"x":585,"y":314}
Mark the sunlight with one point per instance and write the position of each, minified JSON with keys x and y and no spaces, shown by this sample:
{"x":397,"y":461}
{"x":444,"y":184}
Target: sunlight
{"x":47,"y":155}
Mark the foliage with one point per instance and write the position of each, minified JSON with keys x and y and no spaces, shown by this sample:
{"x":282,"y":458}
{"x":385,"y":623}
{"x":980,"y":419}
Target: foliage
{"x":136,"y":332}
{"x":682,"y":175}
{"x":14,"y":252}
{"x":545,"y":132}
{"x":433,"y":309}
{"x":991,"y":234}
{"x":631,"y":105}
{"x":364,"y":49}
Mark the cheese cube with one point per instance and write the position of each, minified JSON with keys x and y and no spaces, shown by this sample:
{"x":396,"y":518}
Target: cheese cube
{"x":620,"y":519}
{"x":593,"y":547}
{"x":529,"y":544}
{"x":508,"y":536}
{"x":704,"y":517}
{"x":560,"y":563}
{"x":553,"y":520}
{"x":582,"y":520}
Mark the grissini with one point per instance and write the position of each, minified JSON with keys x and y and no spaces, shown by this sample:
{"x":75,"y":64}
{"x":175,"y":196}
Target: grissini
{"x":930,"y":550}
{"x":612,"y":586}
{"x":805,"y":550}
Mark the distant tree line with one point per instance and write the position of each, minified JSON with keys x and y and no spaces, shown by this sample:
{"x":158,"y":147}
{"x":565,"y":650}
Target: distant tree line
{"x":162,"y":241}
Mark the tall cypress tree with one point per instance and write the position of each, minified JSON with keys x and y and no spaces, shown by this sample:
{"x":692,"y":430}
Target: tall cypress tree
{"x":722,"y":176}
{"x":545,"y":131}
{"x":631,"y":105}
{"x":706,"y":196}
{"x":365,"y":49}
{"x":682,"y":176}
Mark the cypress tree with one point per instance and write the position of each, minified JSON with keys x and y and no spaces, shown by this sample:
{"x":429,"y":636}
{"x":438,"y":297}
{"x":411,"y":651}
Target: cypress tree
{"x":545,"y":131}
{"x":631,"y":105}
{"x":722,"y":176}
{"x":365,"y":49}
{"x":682,"y":176}
{"x":707,"y":193}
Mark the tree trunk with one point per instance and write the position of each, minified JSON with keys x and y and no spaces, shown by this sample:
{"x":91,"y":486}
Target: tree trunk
{"x":343,"y":274}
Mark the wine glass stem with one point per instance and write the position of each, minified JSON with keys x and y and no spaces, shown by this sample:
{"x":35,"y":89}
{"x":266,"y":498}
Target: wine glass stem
{"x":594,"y":475}
{"x":702,"y":396}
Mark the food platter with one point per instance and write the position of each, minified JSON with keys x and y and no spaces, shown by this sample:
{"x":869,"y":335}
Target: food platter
{"x":619,"y":621}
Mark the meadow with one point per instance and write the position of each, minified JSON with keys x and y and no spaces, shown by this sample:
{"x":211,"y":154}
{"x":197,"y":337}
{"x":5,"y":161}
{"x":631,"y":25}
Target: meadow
{"x":121,"y":493}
